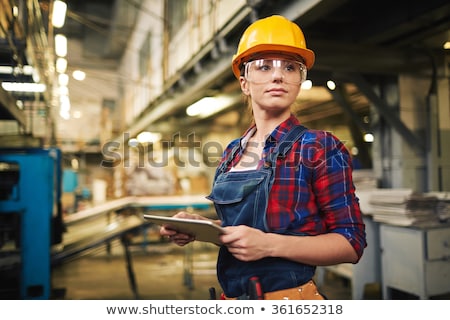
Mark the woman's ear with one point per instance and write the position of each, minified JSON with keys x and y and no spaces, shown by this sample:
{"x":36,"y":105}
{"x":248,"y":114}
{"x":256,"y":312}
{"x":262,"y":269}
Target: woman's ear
{"x":244,"y":86}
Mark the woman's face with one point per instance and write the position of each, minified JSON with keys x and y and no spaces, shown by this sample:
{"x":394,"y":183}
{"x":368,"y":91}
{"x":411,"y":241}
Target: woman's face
{"x":272,"y":81}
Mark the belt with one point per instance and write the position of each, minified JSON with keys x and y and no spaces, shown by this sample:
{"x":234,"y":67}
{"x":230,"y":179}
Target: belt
{"x":307,"y":291}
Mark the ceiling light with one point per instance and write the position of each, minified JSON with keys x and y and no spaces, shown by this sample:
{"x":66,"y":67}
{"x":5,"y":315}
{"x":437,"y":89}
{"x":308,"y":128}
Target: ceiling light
{"x":26,"y":70}
{"x":447,"y":45}
{"x":59,"y":13}
{"x":65,"y":102}
{"x":208,"y":106}
{"x":63,"y":91}
{"x":6,"y":70}
{"x":60,"y":45}
{"x":79,"y":75}
{"x":61,"y":65}
{"x":307,"y":85}
{"x":24,"y":86}
{"x":331,"y":84}
{"x":368,"y":137}
{"x":63,"y":79}
{"x":148,"y":137}
{"x":35,"y":75}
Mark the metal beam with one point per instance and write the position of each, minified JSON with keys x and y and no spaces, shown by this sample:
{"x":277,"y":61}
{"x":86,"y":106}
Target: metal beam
{"x":10,"y":108}
{"x":392,"y":118}
{"x":340,"y":96}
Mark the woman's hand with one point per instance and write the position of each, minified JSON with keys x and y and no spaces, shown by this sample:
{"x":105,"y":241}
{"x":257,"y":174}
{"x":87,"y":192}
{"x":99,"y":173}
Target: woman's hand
{"x":250,"y":244}
{"x":246,"y":243}
{"x":176,"y":237}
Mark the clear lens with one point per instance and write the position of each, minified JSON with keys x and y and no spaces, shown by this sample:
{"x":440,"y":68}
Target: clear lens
{"x":267,"y":70}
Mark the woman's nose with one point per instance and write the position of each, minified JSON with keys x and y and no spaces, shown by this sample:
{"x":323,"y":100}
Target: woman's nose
{"x":277,"y":74}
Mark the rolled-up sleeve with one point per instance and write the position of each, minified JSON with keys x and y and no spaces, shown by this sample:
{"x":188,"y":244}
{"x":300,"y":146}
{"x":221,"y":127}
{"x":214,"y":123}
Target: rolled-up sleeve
{"x":335,"y":192}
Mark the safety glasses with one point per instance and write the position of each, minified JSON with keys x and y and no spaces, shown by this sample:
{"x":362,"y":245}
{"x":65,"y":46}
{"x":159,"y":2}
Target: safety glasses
{"x":267,"y":70}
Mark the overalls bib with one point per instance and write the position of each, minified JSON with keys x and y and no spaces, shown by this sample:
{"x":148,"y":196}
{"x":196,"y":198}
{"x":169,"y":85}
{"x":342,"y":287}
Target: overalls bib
{"x":241,"y":198}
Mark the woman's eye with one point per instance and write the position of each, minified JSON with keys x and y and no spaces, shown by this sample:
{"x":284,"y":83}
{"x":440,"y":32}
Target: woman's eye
{"x":290,"y":68}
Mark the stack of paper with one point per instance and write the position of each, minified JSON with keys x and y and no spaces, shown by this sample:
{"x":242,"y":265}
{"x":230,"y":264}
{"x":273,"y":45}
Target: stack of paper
{"x":443,"y":205}
{"x":364,"y":179}
{"x":403,"y":207}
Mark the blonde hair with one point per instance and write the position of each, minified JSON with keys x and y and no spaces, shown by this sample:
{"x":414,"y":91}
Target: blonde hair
{"x":248,"y":103}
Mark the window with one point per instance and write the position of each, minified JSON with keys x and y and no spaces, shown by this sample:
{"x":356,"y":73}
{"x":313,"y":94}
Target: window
{"x":177,"y":11}
{"x":144,"y":56}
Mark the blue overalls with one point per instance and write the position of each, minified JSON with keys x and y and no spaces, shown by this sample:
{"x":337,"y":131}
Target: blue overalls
{"x":241,"y":198}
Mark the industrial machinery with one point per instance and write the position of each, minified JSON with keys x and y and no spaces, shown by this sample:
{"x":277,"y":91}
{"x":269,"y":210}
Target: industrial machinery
{"x":30,"y":220}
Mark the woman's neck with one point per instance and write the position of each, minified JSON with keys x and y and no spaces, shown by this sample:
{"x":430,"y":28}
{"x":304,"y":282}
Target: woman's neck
{"x":265,"y":125}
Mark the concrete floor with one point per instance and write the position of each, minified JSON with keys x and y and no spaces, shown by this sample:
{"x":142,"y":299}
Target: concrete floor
{"x":162,"y":271}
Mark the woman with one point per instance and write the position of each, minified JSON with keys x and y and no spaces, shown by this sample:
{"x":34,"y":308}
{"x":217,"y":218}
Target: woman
{"x":284,"y":194}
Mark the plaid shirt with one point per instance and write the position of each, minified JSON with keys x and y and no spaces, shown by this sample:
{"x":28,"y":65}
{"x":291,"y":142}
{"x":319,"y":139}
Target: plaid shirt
{"x":313,"y":191}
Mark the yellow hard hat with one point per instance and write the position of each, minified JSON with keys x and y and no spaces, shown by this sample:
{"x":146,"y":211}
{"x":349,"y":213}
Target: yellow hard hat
{"x":274,"y":33}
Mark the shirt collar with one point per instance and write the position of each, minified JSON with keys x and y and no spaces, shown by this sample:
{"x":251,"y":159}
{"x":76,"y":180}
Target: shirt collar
{"x":283,"y":128}
{"x":247,"y":135}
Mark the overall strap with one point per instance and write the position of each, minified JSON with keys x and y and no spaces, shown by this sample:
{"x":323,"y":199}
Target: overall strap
{"x":286,"y":143}
{"x":229,"y":158}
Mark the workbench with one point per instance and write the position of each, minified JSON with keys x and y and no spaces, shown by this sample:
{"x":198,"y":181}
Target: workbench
{"x":160,"y":203}
{"x":415,"y":260}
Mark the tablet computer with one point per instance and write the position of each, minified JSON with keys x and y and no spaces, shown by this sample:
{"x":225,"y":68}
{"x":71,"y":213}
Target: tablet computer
{"x":202,"y":230}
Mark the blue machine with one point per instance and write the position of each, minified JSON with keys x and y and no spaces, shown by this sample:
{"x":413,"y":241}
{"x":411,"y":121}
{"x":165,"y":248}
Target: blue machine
{"x":30,"y":220}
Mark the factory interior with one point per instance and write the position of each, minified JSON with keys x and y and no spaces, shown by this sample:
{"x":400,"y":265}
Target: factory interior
{"x":113,"y":109}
